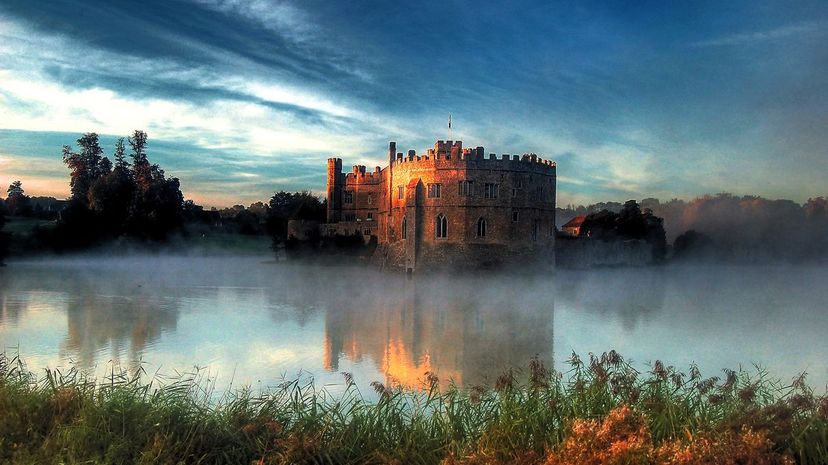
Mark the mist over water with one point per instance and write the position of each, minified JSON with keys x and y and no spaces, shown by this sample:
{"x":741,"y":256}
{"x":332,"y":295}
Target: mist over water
{"x":248,"y":321}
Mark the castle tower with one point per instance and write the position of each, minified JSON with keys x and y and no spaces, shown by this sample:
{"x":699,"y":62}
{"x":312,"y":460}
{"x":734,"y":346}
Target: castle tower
{"x":334,"y":190}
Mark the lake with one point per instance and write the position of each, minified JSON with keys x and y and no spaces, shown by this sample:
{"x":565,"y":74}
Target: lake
{"x":247,"y":321}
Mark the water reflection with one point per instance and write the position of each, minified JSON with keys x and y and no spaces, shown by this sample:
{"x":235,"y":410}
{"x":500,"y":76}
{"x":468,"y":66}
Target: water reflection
{"x":251,"y":322}
{"x":466,"y":330}
{"x":632,"y":295}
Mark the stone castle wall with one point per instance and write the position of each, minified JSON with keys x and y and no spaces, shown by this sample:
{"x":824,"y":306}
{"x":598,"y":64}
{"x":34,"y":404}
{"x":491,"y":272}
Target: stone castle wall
{"x":514,"y":195}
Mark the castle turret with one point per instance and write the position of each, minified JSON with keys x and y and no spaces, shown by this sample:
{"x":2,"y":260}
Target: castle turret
{"x":334,"y":190}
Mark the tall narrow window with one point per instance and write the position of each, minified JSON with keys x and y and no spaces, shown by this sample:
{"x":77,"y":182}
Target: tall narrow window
{"x":434,"y":191}
{"x":349,"y":197}
{"x":400,"y":192}
{"x":465,"y":188}
{"x":404,"y":228}
{"x":515,"y":216}
{"x":490,"y":190}
{"x":441,"y":227}
{"x":481,"y":227}
{"x":535,"y":227}
{"x":370,"y":199}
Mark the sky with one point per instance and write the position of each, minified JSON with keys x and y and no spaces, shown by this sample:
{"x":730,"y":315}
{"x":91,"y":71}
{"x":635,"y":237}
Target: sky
{"x":244,"y":98}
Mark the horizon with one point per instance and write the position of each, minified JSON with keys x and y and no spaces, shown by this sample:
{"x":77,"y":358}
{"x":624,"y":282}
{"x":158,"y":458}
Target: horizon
{"x":241,"y":100}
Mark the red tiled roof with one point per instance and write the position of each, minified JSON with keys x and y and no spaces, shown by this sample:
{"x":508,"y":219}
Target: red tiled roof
{"x":575,"y":222}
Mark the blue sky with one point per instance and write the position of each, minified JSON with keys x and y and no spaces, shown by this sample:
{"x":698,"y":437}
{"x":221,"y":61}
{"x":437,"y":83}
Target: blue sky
{"x":244,"y":98}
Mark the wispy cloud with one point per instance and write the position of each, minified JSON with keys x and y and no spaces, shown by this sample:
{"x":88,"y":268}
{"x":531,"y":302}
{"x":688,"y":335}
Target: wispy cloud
{"x":783,"y":32}
{"x":228,"y":88}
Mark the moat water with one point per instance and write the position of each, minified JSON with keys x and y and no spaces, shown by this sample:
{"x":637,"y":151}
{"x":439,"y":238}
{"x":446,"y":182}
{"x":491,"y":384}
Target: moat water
{"x":245,"y":321}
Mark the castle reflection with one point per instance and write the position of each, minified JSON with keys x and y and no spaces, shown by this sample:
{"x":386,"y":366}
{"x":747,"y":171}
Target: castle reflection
{"x":465,"y":330}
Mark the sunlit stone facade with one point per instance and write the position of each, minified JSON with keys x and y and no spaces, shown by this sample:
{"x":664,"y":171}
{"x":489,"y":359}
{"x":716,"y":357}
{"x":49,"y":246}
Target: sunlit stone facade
{"x":448,"y":208}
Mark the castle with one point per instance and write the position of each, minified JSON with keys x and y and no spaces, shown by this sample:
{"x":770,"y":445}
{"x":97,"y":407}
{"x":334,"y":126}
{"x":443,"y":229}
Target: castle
{"x":449,"y":208}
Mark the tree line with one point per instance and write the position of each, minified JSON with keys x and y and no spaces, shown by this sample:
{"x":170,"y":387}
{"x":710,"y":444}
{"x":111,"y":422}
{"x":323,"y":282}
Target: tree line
{"x":131,"y":196}
{"x":128,"y":196}
{"x":629,"y":223}
{"x":725,"y":227}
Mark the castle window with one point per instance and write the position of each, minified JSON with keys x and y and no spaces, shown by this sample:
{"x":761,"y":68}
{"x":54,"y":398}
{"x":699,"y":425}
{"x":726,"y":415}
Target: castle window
{"x":441,"y":227}
{"x":370,"y":217}
{"x":349,"y":197}
{"x":481,"y":227}
{"x":535,"y":228}
{"x":552,"y":231}
{"x":434,"y":191}
{"x":349,"y":217}
{"x":370,"y":199}
{"x":514,"y":192}
{"x":404,"y":228}
{"x":515,"y":216}
{"x":367,"y":232}
{"x":518,"y":183}
{"x":490,"y":190}
{"x":466,"y":188}
{"x":400,"y":192}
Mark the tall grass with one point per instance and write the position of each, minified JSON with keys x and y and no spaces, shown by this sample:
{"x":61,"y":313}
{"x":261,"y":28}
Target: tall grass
{"x":599,"y":406}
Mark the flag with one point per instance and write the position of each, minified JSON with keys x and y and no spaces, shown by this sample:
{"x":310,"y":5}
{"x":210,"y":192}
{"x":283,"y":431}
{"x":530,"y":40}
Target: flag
{"x":449,"y":120}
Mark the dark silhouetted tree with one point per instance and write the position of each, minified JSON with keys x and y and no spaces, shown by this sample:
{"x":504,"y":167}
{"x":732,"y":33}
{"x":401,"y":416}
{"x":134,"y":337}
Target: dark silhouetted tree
{"x":86,"y":166}
{"x":286,"y":206}
{"x":142,"y":171}
{"x":629,"y":223}
{"x":17,"y":202}
{"x":121,"y":163}
{"x":693,"y":245}
{"x":134,"y":199}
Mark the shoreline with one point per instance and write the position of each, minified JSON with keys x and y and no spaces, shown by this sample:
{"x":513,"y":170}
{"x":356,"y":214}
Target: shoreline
{"x":601,"y":407}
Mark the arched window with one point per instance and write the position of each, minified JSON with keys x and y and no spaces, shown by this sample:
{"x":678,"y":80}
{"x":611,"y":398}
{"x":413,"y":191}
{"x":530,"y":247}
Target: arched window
{"x":481,"y":227}
{"x":404,"y":228}
{"x":441,"y":227}
{"x":535,"y":228}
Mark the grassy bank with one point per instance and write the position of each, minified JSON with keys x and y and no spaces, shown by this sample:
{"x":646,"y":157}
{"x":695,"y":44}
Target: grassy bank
{"x":600,"y":411}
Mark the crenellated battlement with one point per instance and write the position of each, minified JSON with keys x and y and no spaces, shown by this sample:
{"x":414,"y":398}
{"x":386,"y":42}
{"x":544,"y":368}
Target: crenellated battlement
{"x":452,"y":152}
{"x":359,"y":175}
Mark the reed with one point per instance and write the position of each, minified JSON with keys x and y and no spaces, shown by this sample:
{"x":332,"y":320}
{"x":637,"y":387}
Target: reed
{"x":601,"y":410}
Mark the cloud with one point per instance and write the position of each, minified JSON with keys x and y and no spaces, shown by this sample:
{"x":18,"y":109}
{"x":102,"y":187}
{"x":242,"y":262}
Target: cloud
{"x":278,"y":16}
{"x":790,"y":30}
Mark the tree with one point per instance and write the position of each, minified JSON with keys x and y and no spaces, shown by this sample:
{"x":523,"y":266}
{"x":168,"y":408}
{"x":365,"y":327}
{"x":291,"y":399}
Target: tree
{"x":111,"y":198}
{"x":135,"y":199}
{"x":693,"y":245}
{"x":142,"y":171}
{"x":121,"y":164}
{"x":629,"y":223}
{"x":285,"y":206}
{"x":18,"y":203}
{"x":86,"y":166}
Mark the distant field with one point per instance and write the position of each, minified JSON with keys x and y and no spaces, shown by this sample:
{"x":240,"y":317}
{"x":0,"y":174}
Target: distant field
{"x":227,"y":243}
{"x":202,"y":242}
{"x":19,"y":225}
